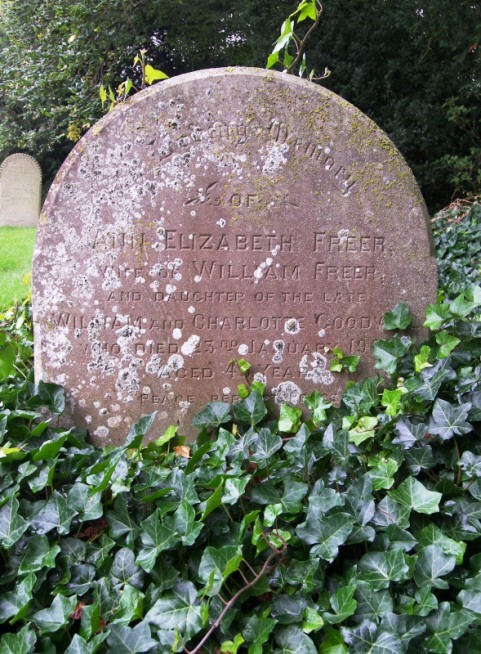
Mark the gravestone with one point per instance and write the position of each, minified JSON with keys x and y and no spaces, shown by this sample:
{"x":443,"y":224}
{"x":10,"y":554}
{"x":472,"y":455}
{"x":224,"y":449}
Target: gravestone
{"x":223,"y":214}
{"x":20,"y":191}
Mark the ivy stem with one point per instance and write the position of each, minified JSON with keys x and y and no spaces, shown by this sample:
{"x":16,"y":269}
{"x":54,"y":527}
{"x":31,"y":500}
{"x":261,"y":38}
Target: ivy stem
{"x":460,"y":472}
{"x":302,"y":44}
{"x":232,"y":601}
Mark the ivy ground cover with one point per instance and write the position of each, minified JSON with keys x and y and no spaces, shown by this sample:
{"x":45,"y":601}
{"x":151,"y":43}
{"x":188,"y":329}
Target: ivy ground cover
{"x":356,"y":531}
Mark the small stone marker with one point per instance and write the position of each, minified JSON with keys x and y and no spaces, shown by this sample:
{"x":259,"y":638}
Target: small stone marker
{"x":20,"y":191}
{"x":220,"y":215}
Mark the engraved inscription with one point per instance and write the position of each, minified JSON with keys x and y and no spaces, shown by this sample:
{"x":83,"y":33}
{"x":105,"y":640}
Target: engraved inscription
{"x":204,"y":223}
{"x":175,"y":240}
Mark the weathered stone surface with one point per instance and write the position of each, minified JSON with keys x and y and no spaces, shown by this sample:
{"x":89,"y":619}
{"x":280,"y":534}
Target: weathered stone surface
{"x":20,"y":191}
{"x":219,"y":215}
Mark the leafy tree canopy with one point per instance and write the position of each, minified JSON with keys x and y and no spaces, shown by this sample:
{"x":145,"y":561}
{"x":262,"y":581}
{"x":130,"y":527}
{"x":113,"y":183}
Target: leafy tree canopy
{"x":414,"y":67}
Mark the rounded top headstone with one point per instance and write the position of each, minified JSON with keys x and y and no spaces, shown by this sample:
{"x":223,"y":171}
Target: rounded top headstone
{"x":20,"y":191}
{"x":224,"y":214}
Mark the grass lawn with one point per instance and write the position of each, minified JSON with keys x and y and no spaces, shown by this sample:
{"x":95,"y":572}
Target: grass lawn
{"x":16,"y":250}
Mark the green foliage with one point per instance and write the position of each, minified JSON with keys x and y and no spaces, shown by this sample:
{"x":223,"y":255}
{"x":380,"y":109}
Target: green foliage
{"x":414,"y":68}
{"x":56,"y":54}
{"x":457,"y":234}
{"x":357,"y":530}
{"x":147,"y":75}
{"x":411,"y":66}
{"x":289,"y":48}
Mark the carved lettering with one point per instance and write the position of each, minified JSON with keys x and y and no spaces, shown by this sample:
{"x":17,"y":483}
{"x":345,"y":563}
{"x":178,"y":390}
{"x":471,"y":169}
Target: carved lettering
{"x":175,"y":240}
{"x":348,"y":243}
{"x":118,"y":241}
{"x":324,"y":271}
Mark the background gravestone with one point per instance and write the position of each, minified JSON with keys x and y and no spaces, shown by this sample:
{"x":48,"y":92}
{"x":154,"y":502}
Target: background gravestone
{"x":20,"y":191}
{"x":222,"y":214}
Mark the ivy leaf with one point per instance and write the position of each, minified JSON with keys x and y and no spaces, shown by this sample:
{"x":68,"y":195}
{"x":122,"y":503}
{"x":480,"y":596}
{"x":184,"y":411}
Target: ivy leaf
{"x":343,"y":604}
{"x":125,"y":570}
{"x":151,"y":76}
{"x":398,"y":318}
{"x":130,"y":606}
{"x":446,"y":343}
{"x":50,"y":448}
{"x":231,"y":646}
{"x":251,"y":410}
{"x":55,"y":513}
{"x":412,"y":494}
{"x":446,"y":626}
{"x":382,"y":474}
{"x":361,"y":397}
{"x":39,"y":554}
{"x":390,"y":513}
{"x":379,"y":569}
{"x":126,"y":640}
{"x":217,"y":564}
{"x":391,"y":399}
{"x":421,"y":360}
{"x":431,"y":565}
{"x":437,"y":315}
{"x":317,"y":404}
{"x":155,"y":538}
{"x":22,"y":642}
{"x":272,"y":59}
{"x":185,"y":524}
{"x":470,"y":600}
{"x":428,"y":384}
{"x":367,"y":637}
{"x":292,"y":640}
{"x":432,"y":535}
{"x":466,"y":302}
{"x":312,"y":621}
{"x":52,"y":396}
{"x":409,"y":433}
{"x":289,"y":419}
{"x":213,"y":502}
{"x":88,"y":506}
{"x":12,"y":525}
{"x":336,"y":441}
{"x":121,"y":521}
{"x":265,"y":445}
{"x":400,"y":538}
{"x":388,"y":353}
{"x":167,"y":436}
{"x":90,"y":618}
{"x":288,"y":609}
{"x":327,"y":535}
{"x":363,"y":430}
{"x":333,"y":643}
{"x":79,"y":645}
{"x":257,"y":631}
{"x":307,"y":10}
{"x":448,"y":420}
{"x":372,"y":603}
{"x":286,"y":35}
{"x":178,"y":610}
{"x":139,"y":430}
{"x":14,"y":603}
{"x":292,"y":495}
{"x":56,"y":616}
{"x":426,"y":601}
{"x":213,"y":415}
{"x":234,"y":489}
